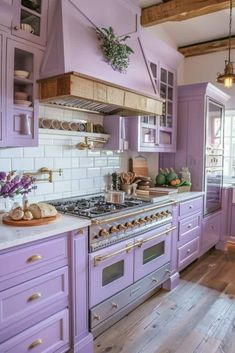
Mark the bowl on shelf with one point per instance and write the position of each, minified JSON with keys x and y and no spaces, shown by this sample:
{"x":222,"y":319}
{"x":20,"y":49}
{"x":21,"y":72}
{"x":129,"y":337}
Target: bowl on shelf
{"x":22,"y":102}
{"x":21,"y":95}
{"x":21,"y":74}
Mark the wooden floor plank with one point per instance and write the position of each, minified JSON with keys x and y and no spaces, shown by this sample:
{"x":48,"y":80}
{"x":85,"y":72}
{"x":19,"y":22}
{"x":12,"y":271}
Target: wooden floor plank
{"x":196,"y":317}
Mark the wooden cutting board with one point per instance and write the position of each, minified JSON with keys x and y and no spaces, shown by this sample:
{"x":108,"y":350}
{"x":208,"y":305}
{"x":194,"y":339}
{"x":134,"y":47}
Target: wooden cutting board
{"x":139,"y":165}
{"x":33,"y":222}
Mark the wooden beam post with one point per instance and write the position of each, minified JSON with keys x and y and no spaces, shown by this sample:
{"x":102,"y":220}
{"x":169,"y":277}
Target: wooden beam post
{"x":179,"y":10}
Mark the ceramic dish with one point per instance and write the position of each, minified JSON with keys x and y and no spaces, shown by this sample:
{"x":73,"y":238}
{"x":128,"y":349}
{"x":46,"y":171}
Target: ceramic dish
{"x":21,"y":96}
{"x":21,"y":74}
{"x":22,"y":102}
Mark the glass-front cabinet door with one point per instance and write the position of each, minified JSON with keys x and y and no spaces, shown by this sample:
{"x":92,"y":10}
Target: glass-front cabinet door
{"x":214,"y":127}
{"x":30,"y":20}
{"x":149,"y":132}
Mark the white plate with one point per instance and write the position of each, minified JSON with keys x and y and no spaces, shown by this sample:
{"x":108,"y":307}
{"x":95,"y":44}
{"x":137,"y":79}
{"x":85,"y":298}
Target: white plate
{"x":22,"y":102}
{"x":21,"y":74}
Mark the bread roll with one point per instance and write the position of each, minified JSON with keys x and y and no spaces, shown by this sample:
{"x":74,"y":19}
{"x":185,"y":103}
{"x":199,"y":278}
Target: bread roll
{"x":28,"y":216}
{"x":17,"y":214}
{"x":42,"y":210}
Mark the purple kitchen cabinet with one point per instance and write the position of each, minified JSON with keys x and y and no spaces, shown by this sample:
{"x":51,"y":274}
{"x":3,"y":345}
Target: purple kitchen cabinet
{"x":211,"y":227}
{"x":21,"y":121}
{"x":50,"y":335}
{"x":117,"y":127}
{"x":82,"y":340}
{"x":227,"y":226}
{"x":30,"y":20}
{"x":2,"y":89}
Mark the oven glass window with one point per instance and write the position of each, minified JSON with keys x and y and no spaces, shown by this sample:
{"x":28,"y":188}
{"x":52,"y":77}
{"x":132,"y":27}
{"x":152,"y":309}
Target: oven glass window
{"x":112,"y":272}
{"x":153,"y":252}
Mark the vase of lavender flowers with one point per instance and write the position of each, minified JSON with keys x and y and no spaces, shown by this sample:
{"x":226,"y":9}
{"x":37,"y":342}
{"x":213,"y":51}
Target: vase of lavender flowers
{"x":12,"y":185}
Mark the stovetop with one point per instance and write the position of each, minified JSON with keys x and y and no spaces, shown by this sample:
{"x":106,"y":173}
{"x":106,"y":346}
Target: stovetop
{"x":95,"y":206}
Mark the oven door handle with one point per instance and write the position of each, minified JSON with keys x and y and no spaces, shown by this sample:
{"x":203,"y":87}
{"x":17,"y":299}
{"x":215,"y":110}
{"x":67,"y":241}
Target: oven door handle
{"x":142,"y":241}
{"x":100,"y":258}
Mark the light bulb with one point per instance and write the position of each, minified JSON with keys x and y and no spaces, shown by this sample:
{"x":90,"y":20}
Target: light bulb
{"x":228,"y":82}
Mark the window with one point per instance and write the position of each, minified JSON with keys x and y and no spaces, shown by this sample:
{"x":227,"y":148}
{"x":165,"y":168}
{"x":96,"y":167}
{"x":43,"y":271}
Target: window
{"x":229,"y":144}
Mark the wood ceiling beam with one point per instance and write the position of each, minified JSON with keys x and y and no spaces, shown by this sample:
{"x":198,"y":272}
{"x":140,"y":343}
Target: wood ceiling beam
{"x":180,"y":10}
{"x":212,"y":46}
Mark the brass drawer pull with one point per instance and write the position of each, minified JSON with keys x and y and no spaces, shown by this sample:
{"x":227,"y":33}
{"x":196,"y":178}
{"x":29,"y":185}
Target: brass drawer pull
{"x":35,"y":343}
{"x":97,"y":317}
{"x":100,"y":258}
{"x":34,"y":258}
{"x":34,"y":296}
{"x":115,"y":305}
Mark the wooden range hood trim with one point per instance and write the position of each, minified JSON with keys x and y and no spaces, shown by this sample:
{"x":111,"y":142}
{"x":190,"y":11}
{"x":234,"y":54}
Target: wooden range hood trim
{"x":74,"y":86}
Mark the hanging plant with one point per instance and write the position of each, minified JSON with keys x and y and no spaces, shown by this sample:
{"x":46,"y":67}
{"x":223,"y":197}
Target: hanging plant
{"x":115,"y":51}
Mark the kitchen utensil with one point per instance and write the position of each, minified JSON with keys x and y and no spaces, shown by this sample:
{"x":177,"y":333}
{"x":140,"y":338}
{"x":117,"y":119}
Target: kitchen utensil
{"x":127,"y":188}
{"x":139,"y":165}
{"x":115,"y":196}
{"x":134,"y":187}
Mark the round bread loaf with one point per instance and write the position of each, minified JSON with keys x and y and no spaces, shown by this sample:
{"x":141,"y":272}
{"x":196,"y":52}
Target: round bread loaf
{"x":17,"y":214}
{"x":42,"y":210}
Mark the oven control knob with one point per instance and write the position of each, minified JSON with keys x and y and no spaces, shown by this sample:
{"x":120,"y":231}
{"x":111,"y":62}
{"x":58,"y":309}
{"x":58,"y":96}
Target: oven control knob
{"x":136,"y":222}
{"x":104,"y":233}
{"x":148,"y":219}
{"x":153,"y":216}
{"x":158,"y":215}
{"x":113,"y":230}
{"x":164,"y":214}
{"x":122,"y":227}
{"x":128,"y":225}
{"x":141,"y":220}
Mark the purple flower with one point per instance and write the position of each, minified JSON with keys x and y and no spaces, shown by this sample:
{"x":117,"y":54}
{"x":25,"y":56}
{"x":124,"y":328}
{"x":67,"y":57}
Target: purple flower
{"x":3,"y":175}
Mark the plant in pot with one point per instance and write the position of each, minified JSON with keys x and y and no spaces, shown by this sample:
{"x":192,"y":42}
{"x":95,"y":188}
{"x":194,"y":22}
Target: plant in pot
{"x":115,"y":51}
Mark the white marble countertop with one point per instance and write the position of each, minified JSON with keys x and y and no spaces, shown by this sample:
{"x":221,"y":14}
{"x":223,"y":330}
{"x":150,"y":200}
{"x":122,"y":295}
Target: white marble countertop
{"x":184,"y":196}
{"x":12,"y":236}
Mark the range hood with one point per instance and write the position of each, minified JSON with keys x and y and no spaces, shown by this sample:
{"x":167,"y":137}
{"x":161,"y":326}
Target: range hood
{"x":76,"y":68}
{"x":87,"y":93}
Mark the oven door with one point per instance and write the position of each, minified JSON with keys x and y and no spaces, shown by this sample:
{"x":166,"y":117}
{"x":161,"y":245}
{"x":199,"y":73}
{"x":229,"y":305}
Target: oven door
{"x":110,"y":271}
{"x":153,"y":250}
{"x":213,"y":190}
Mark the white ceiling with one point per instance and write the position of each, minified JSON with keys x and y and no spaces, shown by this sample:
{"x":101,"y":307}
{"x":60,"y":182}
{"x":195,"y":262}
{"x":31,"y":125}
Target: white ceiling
{"x":195,"y":30}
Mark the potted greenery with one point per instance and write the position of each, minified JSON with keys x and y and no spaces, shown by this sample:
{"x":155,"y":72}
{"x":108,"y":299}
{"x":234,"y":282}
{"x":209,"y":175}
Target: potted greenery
{"x":115,"y":51}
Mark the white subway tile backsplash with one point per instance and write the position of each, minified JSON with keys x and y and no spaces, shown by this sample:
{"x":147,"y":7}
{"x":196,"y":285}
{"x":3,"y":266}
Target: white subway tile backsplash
{"x":5,"y":164}
{"x":11,"y":152}
{"x":93,"y":172}
{"x":43,"y":162}
{"x":34,"y":151}
{"x":84,"y":171}
{"x":86,"y":162}
{"x":100,"y":162}
{"x":23,"y":164}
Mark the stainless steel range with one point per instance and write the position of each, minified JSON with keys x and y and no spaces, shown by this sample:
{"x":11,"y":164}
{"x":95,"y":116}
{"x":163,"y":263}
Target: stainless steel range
{"x":129,"y":252}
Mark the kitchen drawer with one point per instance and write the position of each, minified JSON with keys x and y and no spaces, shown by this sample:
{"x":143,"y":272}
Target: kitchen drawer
{"x":49,"y":336}
{"x":117,"y":302}
{"x":31,"y":261}
{"x":191,"y":206}
{"x":29,"y":298}
{"x":188,"y":252}
{"x":189,"y":228}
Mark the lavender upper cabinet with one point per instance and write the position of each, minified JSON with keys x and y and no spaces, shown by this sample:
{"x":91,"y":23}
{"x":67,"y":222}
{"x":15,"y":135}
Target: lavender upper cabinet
{"x":30,"y":20}
{"x":116,"y":126}
{"x":21,"y":94}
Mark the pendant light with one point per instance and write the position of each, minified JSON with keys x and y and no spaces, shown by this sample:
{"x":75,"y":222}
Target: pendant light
{"x":228,"y":77}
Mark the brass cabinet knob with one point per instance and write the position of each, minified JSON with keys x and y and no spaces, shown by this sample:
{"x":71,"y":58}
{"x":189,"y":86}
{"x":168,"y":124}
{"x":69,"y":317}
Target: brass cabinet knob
{"x":113,"y":230}
{"x":16,"y":28}
{"x":188,"y":251}
{"x":154,"y":279}
{"x":104,"y":233}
